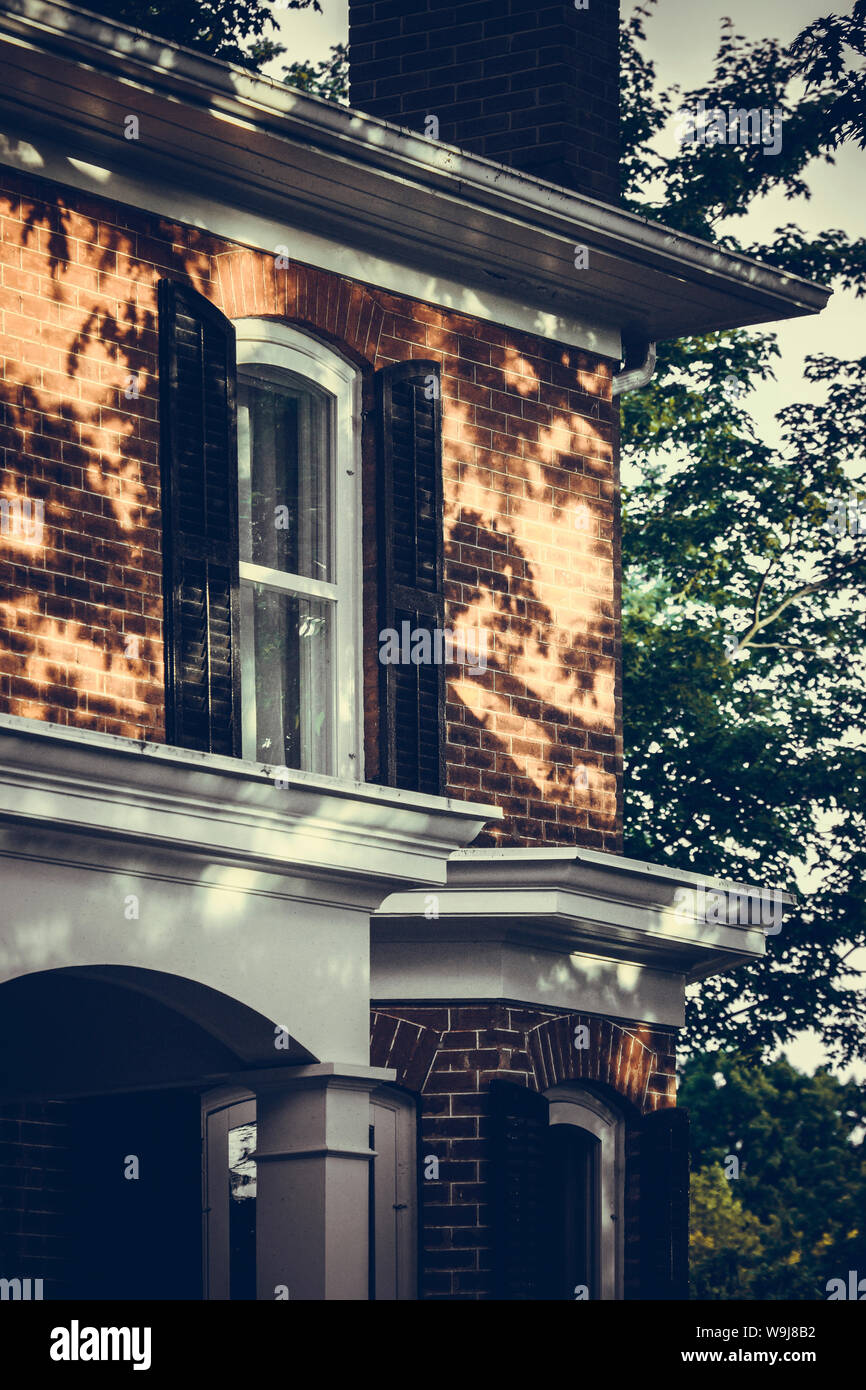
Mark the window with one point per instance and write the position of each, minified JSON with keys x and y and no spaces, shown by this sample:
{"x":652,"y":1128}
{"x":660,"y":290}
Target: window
{"x":298,"y":520}
{"x":260,"y":433}
{"x":557,"y":1190}
{"x":587,"y":1180}
{"x":393,"y":1196}
{"x":229,"y":1190}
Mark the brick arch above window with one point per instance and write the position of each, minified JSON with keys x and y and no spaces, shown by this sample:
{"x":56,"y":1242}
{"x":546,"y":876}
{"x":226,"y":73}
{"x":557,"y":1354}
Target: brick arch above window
{"x":614,"y":1057}
{"x":408,"y":1047}
{"x":249,"y":285}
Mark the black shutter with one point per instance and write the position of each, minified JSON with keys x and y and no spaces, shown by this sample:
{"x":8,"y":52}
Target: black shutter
{"x":519,"y":1173}
{"x":410,"y":543}
{"x":198,"y":447}
{"x":664,"y":1204}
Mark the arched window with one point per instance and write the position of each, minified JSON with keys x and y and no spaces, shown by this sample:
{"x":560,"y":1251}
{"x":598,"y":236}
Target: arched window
{"x":229,"y":1192}
{"x":587,"y":1178}
{"x":393,"y":1196}
{"x":299,"y":520}
{"x":557,"y":1190}
{"x":260,"y":450}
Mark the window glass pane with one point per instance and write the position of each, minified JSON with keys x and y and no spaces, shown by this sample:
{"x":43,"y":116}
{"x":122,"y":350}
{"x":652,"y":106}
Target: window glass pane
{"x":574,"y":1211}
{"x":293,"y":696}
{"x":242,"y":1212}
{"x":284,"y":451}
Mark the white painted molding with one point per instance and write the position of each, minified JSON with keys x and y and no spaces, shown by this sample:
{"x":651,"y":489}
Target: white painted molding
{"x":224,"y":809}
{"x":445,"y":217}
{"x":578,"y":903}
{"x":317,"y":1075}
{"x":267,"y":342}
{"x":533,"y":865}
{"x":413,"y":971}
{"x":574,"y":922}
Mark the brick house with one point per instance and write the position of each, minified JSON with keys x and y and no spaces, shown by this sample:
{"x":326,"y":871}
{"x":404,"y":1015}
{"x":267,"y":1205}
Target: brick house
{"x":321,"y":967}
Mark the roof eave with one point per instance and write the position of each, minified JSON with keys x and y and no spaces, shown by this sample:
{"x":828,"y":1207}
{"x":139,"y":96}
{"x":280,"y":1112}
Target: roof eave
{"x":325,"y":164}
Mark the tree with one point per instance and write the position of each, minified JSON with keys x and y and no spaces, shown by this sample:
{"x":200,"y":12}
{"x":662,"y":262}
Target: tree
{"x":743,"y":609}
{"x":328,"y":79}
{"x":821,"y":53}
{"x":725,"y":1242}
{"x":795,"y":1216}
{"x":234,"y":32}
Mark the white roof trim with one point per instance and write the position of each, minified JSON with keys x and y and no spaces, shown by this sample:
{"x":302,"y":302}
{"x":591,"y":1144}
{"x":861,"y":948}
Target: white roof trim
{"x":324,"y":167}
{"x":584,"y":901}
{"x":225,"y":810}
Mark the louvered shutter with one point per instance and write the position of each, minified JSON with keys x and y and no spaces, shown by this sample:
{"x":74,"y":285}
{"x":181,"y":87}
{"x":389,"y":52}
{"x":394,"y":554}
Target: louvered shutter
{"x":664,"y":1204}
{"x":519,"y":1175}
{"x":198,"y":444}
{"x":410,"y":543}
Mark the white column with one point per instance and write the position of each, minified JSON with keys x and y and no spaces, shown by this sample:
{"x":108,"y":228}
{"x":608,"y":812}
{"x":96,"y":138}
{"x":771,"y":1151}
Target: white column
{"x":312,"y":1188}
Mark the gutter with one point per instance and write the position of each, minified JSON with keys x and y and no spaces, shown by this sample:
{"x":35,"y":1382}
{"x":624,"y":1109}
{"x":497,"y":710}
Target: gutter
{"x":231,"y":93}
{"x":638,"y":368}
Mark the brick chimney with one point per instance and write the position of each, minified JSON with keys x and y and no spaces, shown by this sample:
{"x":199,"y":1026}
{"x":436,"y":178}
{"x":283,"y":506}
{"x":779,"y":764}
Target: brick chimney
{"x":529,"y":84}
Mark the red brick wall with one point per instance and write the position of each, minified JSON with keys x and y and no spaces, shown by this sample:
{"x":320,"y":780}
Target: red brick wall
{"x":534,"y":86}
{"x":450,"y":1053}
{"x":530,"y":497}
{"x":34,"y":1205}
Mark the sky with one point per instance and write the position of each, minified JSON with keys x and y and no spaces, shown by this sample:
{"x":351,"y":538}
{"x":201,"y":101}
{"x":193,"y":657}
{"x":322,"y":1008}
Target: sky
{"x":682,"y":36}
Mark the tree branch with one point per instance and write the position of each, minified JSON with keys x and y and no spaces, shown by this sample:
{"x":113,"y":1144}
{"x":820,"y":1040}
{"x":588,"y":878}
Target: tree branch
{"x":758,"y":624}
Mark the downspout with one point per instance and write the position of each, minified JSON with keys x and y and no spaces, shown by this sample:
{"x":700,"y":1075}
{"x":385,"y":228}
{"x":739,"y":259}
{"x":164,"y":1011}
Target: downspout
{"x":638,"y":367}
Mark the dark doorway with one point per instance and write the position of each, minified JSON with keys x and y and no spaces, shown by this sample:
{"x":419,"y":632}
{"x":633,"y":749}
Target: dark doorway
{"x":136,"y":1237}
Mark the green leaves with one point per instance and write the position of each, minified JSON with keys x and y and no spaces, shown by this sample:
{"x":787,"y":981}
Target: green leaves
{"x":726,"y":1243}
{"x":823,"y":57}
{"x":237,"y":31}
{"x":794,"y":1217}
{"x":744,"y":680}
{"x":328,"y":79}
{"x":699,"y":185}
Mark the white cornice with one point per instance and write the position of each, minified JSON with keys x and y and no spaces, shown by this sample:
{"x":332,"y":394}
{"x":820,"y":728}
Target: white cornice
{"x":570,"y":923}
{"x":583,"y":902}
{"x":224,"y":809}
{"x":440,"y":215}
{"x":635,"y":878}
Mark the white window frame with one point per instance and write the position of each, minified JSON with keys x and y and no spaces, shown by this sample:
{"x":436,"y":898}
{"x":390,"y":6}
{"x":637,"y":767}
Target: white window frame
{"x":278,"y":347}
{"x":582,"y":1108}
